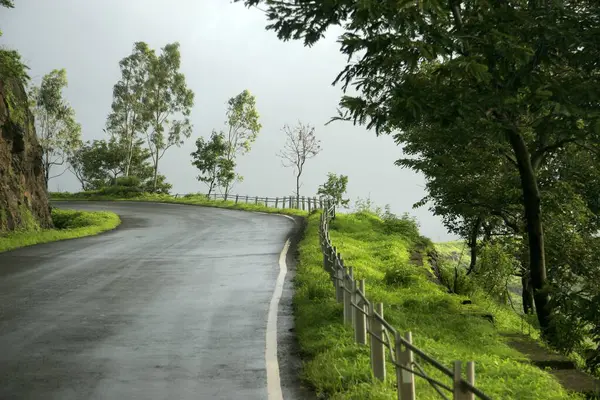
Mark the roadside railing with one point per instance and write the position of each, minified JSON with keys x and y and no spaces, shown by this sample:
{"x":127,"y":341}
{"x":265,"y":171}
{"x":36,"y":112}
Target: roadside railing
{"x":369,"y":326}
{"x":297,"y":202}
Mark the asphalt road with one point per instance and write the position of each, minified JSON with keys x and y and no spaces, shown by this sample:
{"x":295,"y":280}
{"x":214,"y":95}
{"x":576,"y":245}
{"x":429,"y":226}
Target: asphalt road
{"x":171,"y":305}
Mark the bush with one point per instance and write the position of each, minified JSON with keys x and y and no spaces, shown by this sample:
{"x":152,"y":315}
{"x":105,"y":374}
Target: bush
{"x":404,"y":225}
{"x":399,"y":276}
{"x":454,"y":278}
{"x":128,"y":181}
{"x":120,"y":191}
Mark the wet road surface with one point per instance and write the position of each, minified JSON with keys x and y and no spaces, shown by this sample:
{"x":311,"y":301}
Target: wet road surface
{"x":171,"y":305}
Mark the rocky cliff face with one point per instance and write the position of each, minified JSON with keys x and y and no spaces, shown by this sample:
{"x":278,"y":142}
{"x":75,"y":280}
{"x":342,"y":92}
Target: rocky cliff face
{"x":23,"y":195}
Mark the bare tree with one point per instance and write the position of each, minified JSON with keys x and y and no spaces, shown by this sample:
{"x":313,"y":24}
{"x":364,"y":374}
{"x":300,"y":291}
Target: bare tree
{"x":301,"y":144}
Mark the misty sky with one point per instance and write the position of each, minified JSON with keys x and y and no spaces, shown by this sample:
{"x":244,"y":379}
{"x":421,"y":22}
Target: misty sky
{"x":225,"y":49}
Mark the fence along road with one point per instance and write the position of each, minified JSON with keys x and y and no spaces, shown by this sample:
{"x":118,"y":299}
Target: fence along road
{"x":370,"y":327}
{"x":171,"y":305}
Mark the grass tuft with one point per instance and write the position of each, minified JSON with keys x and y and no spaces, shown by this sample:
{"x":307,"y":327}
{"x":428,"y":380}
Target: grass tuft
{"x":69,"y":224}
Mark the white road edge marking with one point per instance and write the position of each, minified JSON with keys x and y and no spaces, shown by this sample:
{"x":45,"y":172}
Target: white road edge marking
{"x":273,"y":380}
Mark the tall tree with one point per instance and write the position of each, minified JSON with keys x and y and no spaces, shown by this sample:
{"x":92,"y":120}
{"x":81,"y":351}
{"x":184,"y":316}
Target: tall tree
{"x":168,"y":103}
{"x":209,"y":157}
{"x":243,"y":127}
{"x":333,"y":189}
{"x":58,"y":132}
{"x":523,"y":71}
{"x":301,"y":145}
{"x":127,"y":119}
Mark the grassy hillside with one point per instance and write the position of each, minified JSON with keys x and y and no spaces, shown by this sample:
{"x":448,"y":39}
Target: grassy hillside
{"x":381,"y":253}
{"x":69,"y":224}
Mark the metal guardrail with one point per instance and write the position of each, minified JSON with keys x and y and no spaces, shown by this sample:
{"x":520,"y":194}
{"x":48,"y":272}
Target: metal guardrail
{"x":368,"y":323}
{"x":296,"y":202}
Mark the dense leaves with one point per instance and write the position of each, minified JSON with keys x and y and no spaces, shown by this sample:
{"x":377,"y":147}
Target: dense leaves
{"x":334,"y":189}
{"x":58,"y":132}
{"x":210,"y":159}
{"x":486,"y":98}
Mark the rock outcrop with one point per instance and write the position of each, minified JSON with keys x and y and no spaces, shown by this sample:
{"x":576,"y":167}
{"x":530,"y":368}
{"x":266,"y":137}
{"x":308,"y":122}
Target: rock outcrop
{"x":23,"y":194}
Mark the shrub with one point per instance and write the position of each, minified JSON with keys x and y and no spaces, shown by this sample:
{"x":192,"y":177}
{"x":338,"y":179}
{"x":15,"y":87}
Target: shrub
{"x":120,"y":191}
{"x":128,"y":181}
{"x":399,"y":276}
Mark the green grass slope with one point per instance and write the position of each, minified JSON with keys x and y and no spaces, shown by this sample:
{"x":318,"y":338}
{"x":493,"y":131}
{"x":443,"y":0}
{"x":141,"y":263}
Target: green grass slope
{"x":441,"y":326}
{"x":69,"y":224}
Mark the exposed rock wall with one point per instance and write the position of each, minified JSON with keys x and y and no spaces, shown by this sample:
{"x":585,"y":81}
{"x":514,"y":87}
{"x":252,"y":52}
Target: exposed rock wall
{"x":23,"y":195}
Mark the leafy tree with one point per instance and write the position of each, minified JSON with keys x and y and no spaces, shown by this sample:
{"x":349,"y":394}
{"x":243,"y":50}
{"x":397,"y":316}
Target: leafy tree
{"x":243,"y":127}
{"x":166,"y":97}
{"x":333,"y":189}
{"x":301,"y":145}
{"x":523,"y":72}
{"x":209,"y":157}
{"x":102,"y":163}
{"x":127,"y":119}
{"x":97,"y":164}
{"x":58,"y":132}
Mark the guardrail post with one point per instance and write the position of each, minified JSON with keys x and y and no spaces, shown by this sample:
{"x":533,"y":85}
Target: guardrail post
{"x":405,"y":379}
{"x":309,"y":205}
{"x":461,"y":392}
{"x":236,"y":198}
{"x":347,"y":287}
{"x":377,"y":348}
{"x":339,"y":274}
{"x":276,"y":202}
{"x":360,"y":319}
{"x":246,"y":199}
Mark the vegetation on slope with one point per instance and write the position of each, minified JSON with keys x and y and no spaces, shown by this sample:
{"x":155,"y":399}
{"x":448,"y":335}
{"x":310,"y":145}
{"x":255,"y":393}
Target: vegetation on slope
{"x":380,"y":252}
{"x":69,"y":224}
{"x":191,"y":199}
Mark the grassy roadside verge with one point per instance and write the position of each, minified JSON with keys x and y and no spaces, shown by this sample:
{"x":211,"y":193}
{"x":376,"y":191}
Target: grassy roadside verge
{"x":441,"y":325}
{"x":69,"y":224}
{"x":198,"y":200}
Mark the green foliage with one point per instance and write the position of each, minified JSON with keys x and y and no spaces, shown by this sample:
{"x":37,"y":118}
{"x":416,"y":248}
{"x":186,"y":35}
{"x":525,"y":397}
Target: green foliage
{"x":243,"y":127}
{"x":68,"y":224}
{"x":483,"y":97}
{"x":128,"y":118}
{"x":496,"y":265}
{"x":210,"y":159}
{"x":12,"y":66}
{"x":58,"y":132}
{"x":337,"y":368}
{"x":334,"y":188}
{"x":168,"y":103}
{"x":128,"y":181}
{"x":102,"y":163}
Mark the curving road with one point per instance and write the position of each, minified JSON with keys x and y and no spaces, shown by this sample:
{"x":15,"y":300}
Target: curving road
{"x":171,"y":305}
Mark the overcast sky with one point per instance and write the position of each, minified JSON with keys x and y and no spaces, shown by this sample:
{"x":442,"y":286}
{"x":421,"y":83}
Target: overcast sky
{"x":225,"y":49}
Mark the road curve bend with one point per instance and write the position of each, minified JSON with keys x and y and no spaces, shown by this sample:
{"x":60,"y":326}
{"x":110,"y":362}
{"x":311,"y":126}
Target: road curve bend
{"x":171,"y":305}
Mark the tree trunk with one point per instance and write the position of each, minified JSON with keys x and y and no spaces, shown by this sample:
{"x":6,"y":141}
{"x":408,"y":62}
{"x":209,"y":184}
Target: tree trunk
{"x":46,"y":172}
{"x":535,"y":235}
{"x":527,"y":294}
{"x":473,"y":244}
{"x":155,"y":174}
{"x":298,"y":184}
